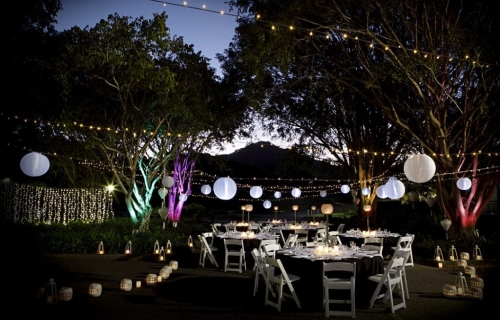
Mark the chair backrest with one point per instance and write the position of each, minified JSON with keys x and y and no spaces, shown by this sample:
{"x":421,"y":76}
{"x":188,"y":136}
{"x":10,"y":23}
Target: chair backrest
{"x":275,"y":268}
{"x":320,"y":235}
{"x":209,"y":236}
{"x":271,"y":249}
{"x":230,"y":227}
{"x":371,"y":247}
{"x":204,"y":244}
{"x":290,"y":241}
{"x":348,"y":267}
{"x":405,"y":242}
{"x":340,"y":228}
{"x":233,"y":244}
{"x":302,"y":235}
{"x":395,"y":265}
{"x":216,"y":228}
{"x":402,"y":252}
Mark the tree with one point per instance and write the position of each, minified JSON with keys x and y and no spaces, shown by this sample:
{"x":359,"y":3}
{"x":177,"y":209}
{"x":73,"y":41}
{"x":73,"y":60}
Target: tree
{"x":138,"y":99}
{"x":428,"y":65}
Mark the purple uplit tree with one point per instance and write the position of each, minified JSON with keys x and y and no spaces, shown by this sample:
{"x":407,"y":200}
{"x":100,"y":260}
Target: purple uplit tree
{"x":183,"y":173}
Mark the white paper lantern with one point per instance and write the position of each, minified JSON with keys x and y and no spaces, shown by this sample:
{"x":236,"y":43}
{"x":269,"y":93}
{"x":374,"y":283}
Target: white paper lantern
{"x":267,"y":204}
{"x":419,"y":168}
{"x":277,"y":194}
{"x":65,"y":293}
{"x":183,"y":197}
{"x":296,"y":192}
{"x":430,"y":201}
{"x":381,"y":192}
{"x":163,"y":192}
{"x":163,"y":212}
{"x":95,"y":290}
{"x":35,"y":164}
{"x":464,"y":183}
{"x":174,"y":264}
{"x":394,"y":188}
{"x":167,"y":181}
{"x":225,"y":188}
{"x":365,"y":191}
{"x":345,"y":188}
{"x":256,"y":192}
{"x":206,"y":189}
{"x":126,"y":284}
{"x":413,"y":195}
{"x":322,"y":193}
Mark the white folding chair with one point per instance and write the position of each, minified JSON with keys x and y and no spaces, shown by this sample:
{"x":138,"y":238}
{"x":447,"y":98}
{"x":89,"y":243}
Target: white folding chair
{"x":262,"y":243}
{"x":278,"y":232}
{"x":372,"y":243}
{"x":347,"y":282}
{"x":278,"y":278}
{"x":234,"y":249}
{"x":206,"y":251}
{"x":340,"y":228}
{"x":302,"y":236}
{"x":334,"y":239}
{"x":405,"y":253}
{"x":290,"y":241}
{"x":405,"y":242}
{"x":320,"y":235}
{"x":271,"y":249}
{"x":391,"y":278}
{"x":215,"y":229}
{"x":210,"y":238}
{"x":260,"y":271}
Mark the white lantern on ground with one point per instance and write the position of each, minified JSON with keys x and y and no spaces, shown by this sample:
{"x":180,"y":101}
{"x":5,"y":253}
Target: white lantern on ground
{"x":174,"y":264}
{"x":167,"y":181}
{"x":464,"y":183}
{"x":277,"y":194}
{"x":296,"y":192}
{"x":126,"y":284}
{"x":151,"y":279}
{"x":225,"y":188}
{"x":394,"y":188}
{"x":256,"y":192}
{"x":322,"y":193}
{"x":34,"y":164}
{"x":206,"y":189}
{"x":345,"y":188}
{"x":419,"y":168}
{"x":267,"y":204}
{"x":381,"y":192}
{"x":65,"y":294}
{"x":95,"y":290}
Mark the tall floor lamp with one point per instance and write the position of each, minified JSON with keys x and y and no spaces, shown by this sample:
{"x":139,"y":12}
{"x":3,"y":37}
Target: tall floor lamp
{"x":327,"y":210}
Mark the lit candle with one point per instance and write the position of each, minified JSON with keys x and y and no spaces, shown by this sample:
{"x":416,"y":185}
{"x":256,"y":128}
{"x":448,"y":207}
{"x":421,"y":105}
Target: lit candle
{"x":452,"y":258}
{"x":460,"y":291}
{"x":159,"y":279}
{"x":137,"y":284}
{"x":101,"y":252}
{"x":440,"y":265}
{"x":157,"y":251}
{"x":127,"y":251}
{"x":168,"y":250}
{"x":438,"y":258}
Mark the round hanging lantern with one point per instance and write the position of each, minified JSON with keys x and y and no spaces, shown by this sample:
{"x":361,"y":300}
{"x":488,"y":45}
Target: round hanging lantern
{"x":277,"y":194}
{"x":256,"y":192}
{"x":464,"y":183}
{"x":419,"y":168}
{"x":326,"y":208}
{"x":367,"y":207}
{"x":394,"y":188}
{"x":163,"y":192}
{"x":206,"y":189}
{"x":267,"y":204}
{"x":322,"y":193}
{"x":446,"y":224}
{"x":345,"y":188}
{"x":356,"y":201}
{"x":163,"y":212}
{"x":365,"y":191}
{"x":35,"y":164}
{"x":225,"y":188}
{"x":381,"y":192}
{"x":296,"y":192}
{"x":249,"y":208}
{"x":167,"y":181}
{"x":183,"y":197}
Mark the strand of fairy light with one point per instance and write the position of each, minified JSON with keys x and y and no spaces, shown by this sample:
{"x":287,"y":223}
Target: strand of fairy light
{"x":346,"y":34}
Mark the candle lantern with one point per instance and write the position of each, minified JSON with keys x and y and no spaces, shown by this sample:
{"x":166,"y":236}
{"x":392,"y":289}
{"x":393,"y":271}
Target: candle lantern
{"x":126,"y":284}
{"x":449,"y":290}
{"x":161,"y":256}
{"x":438,"y":254}
{"x":168,"y":250}
{"x":327,"y":209}
{"x":128,"y":248}
{"x":156,"y":249}
{"x":471,"y":271}
{"x":461,"y":285}
{"x":100,"y":248}
{"x":276,"y":213}
{"x":462,"y":263}
{"x":174,"y":264}
{"x":95,"y":290}
{"x":477,"y":282}
{"x":190,"y":241}
{"x":476,"y":253}
{"x":138,"y":284}
{"x":159,"y":279}
{"x":440,"y":265}
{"x":151,"y":279}
{"x":65,"y":293}
{"x":164,"y":273}
{"x":249,"y":208}
{"x":295,"y":208}
{"x":51,"y":292}
{"x":476,"y":293}
{"x":453,"y":253}
{"x":464,"y":255}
